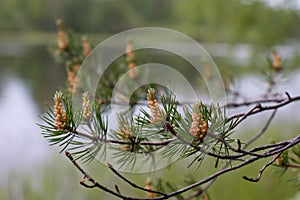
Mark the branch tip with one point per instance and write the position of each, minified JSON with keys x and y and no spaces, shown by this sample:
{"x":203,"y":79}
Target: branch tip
{"x":255,"y":180}
{"x":288,"y":95}
{"x":117,"y":189}
{"x":68,"y":154}
{"x":109,"y":166}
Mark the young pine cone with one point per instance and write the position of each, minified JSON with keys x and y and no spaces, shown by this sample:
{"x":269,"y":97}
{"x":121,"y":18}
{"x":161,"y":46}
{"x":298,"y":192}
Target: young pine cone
{"x":59,"y":113}
{"x":86,"y":111}
{"x":276,"y":61}
{"x":156,"y":112}
{"x":150,"y":187}
{"x":62,"y":40}
{"x":199,"y":126}
{"x":130,"y":58}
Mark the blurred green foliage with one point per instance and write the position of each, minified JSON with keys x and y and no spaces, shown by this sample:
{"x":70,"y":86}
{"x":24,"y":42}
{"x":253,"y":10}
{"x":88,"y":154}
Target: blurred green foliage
{"x":233,"y":21}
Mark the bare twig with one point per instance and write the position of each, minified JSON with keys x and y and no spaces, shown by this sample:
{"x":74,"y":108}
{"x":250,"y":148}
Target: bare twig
{"x":280,"y":148}
{"x":297,"y":166}
{"x":257,"y":135}
{"x":90,"y":179}
{"x":131,"y":183}
{"x":290,"y":144}
{"x":257,"y":109}
{"x":255,"y":101}
{"x":261,"y":171}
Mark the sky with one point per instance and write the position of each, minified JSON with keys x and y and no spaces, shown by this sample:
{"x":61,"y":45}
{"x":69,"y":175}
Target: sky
{"x":289,"y":3}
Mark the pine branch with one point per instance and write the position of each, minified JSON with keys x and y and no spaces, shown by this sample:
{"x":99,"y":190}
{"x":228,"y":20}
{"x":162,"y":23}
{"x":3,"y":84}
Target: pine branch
{"x":259,"y":108}
{"x":288,"y":144}
{"x":202,"y":130}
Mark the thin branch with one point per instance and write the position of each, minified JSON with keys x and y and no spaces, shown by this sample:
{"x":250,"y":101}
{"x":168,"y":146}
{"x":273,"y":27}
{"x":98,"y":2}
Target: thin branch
{"x":251,"y":102}
{"x":131,"y":183}
{"x":86,"y":175}
{"x":97,"y":138}
{"x":183,"y":103}
{"x":290,"y":144}
{"x":257,"y":135}
{"x":243,"y":116}
{"x":255,"y":109}
{"x":171,"y":129}
{"x":268,"y":146}
{"x":198,"y":193}
{"x":261,"y":171}
{"x":238,"y":150}
{"x":91,"y":137}
{"x":292,"y":165}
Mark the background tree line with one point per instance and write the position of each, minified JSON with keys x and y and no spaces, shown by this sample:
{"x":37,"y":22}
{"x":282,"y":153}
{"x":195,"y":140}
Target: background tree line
{"x":233,"y":21}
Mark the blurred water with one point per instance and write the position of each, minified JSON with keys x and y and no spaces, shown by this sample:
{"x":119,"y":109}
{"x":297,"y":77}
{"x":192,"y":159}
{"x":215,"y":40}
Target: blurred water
{"x":252,"y":86}
{"x":21,"y":144}
{"x":28,"y":78}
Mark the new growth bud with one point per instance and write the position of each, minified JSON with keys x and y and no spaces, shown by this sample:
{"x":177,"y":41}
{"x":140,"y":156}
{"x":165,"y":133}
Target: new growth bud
{"x":125,"y":134}
{"x":86,"y":46}
{"x":86,"y":111}
{"x":59,"y":113}
{"x":130,"y":59}
{"x":280,"y":160}
{"x":276,"y":61}
{"x":199,"y":126}
{"x":62,"y":40}
{"x":150,"y":187}
{"x":156,"y":112}
{"x":72,"y":72}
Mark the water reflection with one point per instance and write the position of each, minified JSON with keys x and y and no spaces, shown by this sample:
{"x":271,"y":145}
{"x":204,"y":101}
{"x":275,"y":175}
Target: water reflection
{"x":21,"y":145}
{"x":28,"y":78}
{"x":35,"y":65}
{"x":254,"y":85}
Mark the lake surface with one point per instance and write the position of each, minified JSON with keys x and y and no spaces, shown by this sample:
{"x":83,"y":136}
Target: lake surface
{"x":28,"y":78}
